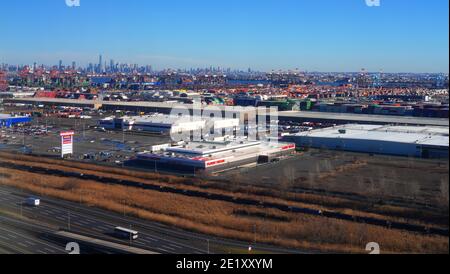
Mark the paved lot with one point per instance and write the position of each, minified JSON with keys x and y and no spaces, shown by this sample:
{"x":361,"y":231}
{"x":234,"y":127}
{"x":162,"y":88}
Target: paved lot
{"x":90,"y":144}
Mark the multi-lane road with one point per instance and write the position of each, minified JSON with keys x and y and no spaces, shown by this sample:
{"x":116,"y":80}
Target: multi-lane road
{"x":25,"y":229}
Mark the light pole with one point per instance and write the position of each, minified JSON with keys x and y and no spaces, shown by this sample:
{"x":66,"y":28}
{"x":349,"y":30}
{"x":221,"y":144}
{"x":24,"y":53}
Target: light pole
{"x":23,"y":134}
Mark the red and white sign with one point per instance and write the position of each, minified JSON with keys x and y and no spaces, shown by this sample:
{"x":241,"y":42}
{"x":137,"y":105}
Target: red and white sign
{"x":215,"y":162}
{"x":290,"y":146}
{"x":66,"y":142}
{"x":67,"y":133}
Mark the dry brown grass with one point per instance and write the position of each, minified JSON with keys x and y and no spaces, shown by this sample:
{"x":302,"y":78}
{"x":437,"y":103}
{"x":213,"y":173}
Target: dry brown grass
{"x":219,"y":218}
{"x":317,"y":202}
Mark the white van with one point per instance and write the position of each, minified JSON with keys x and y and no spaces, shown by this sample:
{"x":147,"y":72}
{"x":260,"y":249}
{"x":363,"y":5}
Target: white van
{"x":33,"y":202}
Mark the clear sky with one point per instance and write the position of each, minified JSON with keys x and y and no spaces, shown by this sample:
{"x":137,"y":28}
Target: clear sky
{"x":313,"y":35}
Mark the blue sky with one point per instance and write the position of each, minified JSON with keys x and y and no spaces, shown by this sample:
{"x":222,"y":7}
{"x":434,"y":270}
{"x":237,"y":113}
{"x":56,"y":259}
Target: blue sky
{"x":314,"y":35}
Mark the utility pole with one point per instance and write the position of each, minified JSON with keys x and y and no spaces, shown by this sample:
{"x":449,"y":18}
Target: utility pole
{"x":23,"y":134}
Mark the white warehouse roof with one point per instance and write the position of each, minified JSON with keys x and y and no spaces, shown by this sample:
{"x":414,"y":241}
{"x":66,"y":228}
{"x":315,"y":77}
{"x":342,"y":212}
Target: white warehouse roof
{"x":436,"y":136}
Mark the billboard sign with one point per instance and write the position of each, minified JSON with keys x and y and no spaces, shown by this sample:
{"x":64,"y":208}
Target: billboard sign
{"x":66,"y":143}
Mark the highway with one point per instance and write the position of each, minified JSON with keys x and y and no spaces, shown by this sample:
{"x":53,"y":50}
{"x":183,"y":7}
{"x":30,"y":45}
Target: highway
{"x":18,"y":237}
{"x":299,"y":116}
{"x":23,"y":233}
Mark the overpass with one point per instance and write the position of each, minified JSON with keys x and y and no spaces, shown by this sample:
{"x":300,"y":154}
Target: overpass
{"x":157,"y":107}
{"x":240,"y":112}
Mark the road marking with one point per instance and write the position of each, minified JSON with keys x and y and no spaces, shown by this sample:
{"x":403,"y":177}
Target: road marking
{"x":4,"y":238}
{"x":23,"y":236}
{"x":169,"y":248}
{"x":162,"y":249}
{"x":49,"y":250}
{"x":30,"y":243}
{"x":175,"y":246}
{"x":22,"y":244}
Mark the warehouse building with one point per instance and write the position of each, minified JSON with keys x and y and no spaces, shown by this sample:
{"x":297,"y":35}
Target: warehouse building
{"x":166,"y":124}
{"x":214,"y":155}
{"x":411,"y":141}
{"x":8,"y":121}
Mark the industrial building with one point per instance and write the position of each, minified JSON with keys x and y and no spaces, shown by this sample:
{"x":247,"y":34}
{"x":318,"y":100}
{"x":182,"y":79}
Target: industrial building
{"x":241,"y":113}
{"x":411,"y":141}
{"x":166,"y":124}
{"x":214,"y":155}
{"x":351,"y":118}
{"x":8,"y":121}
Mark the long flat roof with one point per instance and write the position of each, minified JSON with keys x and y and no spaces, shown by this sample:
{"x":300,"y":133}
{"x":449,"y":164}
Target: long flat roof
{"x":8,"y":116}
{"x":361,"y":118}
{"x":211,"y":147}
{"x":286,"y":115}
{"x":162,"y":105}
{"x":436,"y":136}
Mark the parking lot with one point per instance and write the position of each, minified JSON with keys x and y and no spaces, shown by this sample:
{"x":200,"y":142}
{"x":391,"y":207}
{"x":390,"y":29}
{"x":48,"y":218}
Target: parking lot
{"x":90,"y":142}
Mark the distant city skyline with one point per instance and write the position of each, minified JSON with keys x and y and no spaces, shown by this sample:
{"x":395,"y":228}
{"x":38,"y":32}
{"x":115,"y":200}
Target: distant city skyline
{"x":109,"y":63}
{"x":265,"y":35}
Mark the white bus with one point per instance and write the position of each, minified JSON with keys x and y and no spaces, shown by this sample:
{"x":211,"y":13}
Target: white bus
{"x":126,"y":233}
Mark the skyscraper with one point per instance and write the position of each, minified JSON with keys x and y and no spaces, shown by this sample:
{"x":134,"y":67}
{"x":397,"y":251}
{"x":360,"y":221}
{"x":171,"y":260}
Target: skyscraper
{"x":100,"y":63}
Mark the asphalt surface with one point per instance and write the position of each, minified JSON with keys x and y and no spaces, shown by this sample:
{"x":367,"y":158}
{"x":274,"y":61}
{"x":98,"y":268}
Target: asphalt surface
{"x":19,"y":237}
{"x":22,"y":229}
